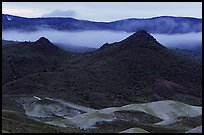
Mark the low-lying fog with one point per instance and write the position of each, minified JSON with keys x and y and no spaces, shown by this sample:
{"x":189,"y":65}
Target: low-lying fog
{"x":95,"y":39}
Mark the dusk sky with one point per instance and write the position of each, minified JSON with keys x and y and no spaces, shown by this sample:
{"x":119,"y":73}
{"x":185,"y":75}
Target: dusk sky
{"x":103,"y":11}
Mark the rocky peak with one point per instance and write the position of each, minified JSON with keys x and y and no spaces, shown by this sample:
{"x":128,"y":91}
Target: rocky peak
{"x":45,"y":44}
{"x":141,"y":38}
{"x":43,"y":41}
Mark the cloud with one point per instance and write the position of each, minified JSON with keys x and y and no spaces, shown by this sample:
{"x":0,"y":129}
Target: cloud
{"x":184,"y":41}
{"x":79,"y":38}
{"x":104,"y":11}
{"x":60,"y":13}
{"x":96,"y":39}
{"x":22,"y":12}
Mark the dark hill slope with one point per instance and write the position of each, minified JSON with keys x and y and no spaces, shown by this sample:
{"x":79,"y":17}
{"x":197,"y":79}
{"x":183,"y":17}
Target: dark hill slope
{"x":137,"y":69}
{"x":25,"y":58}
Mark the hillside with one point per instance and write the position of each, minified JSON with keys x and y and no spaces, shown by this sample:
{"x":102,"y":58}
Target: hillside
{"x":130,"y":86}
{"x":25,"y":58}
{"x":135,"y":70}
{"x":194,"y":52}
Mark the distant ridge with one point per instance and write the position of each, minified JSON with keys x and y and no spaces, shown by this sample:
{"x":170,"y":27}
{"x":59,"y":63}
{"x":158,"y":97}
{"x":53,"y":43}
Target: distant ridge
{"x":170,"y":24}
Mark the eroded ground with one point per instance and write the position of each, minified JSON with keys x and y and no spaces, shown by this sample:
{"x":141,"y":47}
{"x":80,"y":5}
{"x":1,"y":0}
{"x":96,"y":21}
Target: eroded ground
{"x":47,"y":114}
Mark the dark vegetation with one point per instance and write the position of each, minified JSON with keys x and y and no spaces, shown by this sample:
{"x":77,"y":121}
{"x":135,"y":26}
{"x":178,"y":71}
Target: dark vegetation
{"x":194,"y":52}
{"x":135,"y":70}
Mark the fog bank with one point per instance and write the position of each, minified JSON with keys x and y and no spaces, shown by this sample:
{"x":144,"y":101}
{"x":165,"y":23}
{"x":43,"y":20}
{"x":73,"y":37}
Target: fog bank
{"x":95,"y":39}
